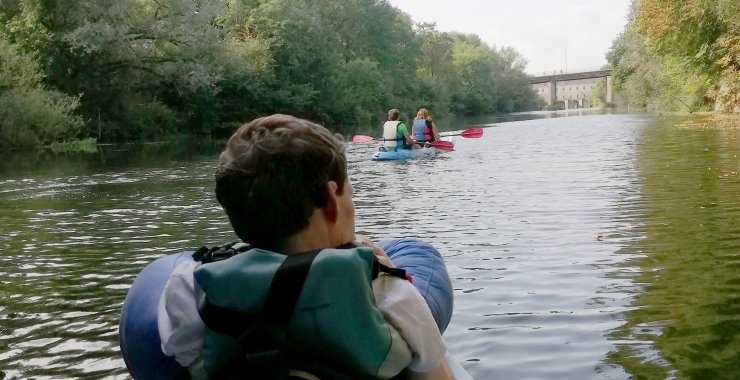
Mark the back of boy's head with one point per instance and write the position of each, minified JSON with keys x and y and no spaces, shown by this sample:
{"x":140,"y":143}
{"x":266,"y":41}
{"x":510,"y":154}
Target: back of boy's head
{"x":273,"y":174}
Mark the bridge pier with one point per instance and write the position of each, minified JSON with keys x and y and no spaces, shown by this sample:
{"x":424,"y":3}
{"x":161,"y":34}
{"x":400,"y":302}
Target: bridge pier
{"x":609,"y":90}
{"x":552,"y":90}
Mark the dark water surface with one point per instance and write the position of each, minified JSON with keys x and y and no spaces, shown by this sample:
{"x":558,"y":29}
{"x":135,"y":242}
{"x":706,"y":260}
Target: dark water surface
{"x":589,"y":247}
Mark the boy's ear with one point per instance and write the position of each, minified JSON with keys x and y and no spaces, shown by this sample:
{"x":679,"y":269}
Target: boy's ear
{"x":331,"y":209}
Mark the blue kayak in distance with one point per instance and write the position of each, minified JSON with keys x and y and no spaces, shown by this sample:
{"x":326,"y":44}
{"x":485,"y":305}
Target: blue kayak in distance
{"x":382,"y":154}
{"x":403,"y":154}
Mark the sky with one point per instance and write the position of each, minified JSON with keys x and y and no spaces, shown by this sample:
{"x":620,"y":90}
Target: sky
{"x":551,"y":34}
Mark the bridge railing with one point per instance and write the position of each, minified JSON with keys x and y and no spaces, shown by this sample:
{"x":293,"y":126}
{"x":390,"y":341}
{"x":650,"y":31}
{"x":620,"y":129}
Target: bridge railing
{"x":570,"y":76}
{"x":569,"y":70}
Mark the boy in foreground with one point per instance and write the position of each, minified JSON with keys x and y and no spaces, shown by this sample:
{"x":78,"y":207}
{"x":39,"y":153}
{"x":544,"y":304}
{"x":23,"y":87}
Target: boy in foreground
{"x":283,"y":183}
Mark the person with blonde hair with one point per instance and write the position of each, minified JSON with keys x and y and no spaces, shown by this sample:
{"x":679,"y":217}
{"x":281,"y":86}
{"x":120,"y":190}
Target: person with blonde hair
{"x":424,"y":130}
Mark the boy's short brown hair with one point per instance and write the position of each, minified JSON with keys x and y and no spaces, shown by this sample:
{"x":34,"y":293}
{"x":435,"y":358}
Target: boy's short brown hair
{"x":273,"y":174}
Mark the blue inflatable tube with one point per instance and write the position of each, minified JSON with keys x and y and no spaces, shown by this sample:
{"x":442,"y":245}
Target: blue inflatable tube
{"x":428,"y":272}
{"x":138,"y":335}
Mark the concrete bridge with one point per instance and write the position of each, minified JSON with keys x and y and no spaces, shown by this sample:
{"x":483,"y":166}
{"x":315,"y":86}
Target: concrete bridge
{"x":572,"y":88}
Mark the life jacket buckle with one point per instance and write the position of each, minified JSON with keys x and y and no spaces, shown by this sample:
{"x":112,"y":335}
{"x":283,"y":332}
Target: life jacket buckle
{"x":222,"y":252}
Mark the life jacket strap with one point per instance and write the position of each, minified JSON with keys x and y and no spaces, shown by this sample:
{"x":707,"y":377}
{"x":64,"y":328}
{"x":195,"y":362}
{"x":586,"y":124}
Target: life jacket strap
{"x":378,"y":267}
{"x":286,"y":287}
{"x":395,"y":272}
{"x":400,"y":141}
{"x":262,"y":337}
{"x":280,"y":301}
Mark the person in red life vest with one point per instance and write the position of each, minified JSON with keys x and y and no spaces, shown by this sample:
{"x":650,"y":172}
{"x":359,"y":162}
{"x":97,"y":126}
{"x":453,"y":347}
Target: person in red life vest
{"x":424,"y":130}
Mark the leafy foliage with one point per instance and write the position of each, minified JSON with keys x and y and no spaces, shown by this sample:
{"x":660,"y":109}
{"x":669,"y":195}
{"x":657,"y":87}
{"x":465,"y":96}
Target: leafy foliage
{"x":144,"y":69}
{"x":29,"y":113}
{"x":680,"y":55}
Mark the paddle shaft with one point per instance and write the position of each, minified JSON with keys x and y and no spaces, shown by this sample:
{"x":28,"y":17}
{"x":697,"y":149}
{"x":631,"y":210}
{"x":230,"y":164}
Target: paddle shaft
{"x":471,"y":133}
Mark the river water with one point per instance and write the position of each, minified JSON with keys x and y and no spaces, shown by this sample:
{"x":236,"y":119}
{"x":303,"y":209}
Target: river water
{"x":587,"y":247}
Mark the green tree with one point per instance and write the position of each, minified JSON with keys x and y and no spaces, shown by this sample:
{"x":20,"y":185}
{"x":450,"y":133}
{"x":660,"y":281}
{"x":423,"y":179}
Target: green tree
{"x":145,"y":69}
{"x":597,"y":95}
{"x":472,"y":94}
{"x":360,"y":81}
{"x":434,"y":69}
{"x":513,"y":93}
{"x":303,"y":51}
{"x":680,"y":55}
{"x":163,"y":61}
{"x":30,"y":114}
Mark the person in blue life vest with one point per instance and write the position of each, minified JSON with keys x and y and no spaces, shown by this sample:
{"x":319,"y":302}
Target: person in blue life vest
{"x":284,"y":186}
{"x":423,"y":129}
{"x":396,"y":134}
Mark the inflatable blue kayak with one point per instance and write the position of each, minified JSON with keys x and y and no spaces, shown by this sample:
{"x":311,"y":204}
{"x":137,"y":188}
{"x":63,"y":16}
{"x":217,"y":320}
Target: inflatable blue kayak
{"x":444,"y":145}
{"x":403,"y":154}
{"x":139,"y":336}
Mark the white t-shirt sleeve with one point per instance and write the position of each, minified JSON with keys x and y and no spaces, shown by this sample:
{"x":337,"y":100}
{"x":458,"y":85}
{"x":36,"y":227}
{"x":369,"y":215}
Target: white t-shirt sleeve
{"x":180,"y":328}
{"x":405,"y":309}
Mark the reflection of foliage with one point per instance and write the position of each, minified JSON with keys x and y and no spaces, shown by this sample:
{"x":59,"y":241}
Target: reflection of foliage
{"x":680,"y":55}
{"x":59,"y":162}
{"x":87,"y":145}
{"x":690,"y":309}
{"x":638,"y":367}
{"x":146,"y":69}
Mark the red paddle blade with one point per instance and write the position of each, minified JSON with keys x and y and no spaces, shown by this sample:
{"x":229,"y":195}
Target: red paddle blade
{"x":362,"y":138}
{"x":443,"y":145}
{"x":472,"y":133}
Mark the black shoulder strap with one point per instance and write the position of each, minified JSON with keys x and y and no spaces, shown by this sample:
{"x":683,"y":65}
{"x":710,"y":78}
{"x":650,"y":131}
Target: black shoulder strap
{"x":262,"y":337}
{"x":280,"y":301}
{"x":286,"y":287}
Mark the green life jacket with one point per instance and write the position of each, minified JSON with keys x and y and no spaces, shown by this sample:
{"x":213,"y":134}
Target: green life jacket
{"x":245,"y":301}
